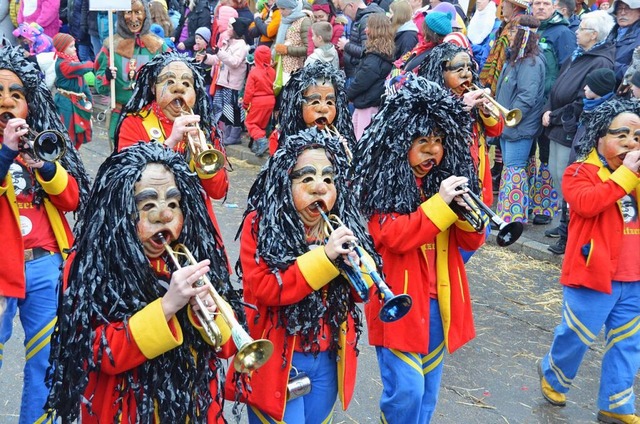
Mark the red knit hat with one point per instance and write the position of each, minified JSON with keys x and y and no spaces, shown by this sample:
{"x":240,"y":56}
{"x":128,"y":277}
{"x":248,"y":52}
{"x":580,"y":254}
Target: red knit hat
{"x":61,"y":41}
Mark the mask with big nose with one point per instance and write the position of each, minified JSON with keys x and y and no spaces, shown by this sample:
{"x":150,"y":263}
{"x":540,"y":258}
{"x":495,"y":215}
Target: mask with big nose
{"x":312,"y":186}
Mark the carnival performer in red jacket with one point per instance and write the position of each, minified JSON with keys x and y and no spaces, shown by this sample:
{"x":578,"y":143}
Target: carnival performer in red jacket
{"x":128,"y":346}
{"x":409,"y":169}
{"x":168,"y":103}
{"x":34,"y":196}
{"x":290,"y":273}
{"x":601,"y":271}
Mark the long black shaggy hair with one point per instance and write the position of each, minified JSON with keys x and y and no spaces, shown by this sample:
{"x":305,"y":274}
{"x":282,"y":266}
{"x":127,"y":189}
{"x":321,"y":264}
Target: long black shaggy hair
{"x":598,"y":121}
{"x":291,"y":100}
{"x":43,"y":116}
{"x":143,"y":94}
{"x":383,"y":181}
{"x":281,"y":235}
{"x":110,"y":279}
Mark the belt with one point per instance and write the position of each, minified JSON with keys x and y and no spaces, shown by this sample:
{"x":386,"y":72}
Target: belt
{"x":35,"y":253}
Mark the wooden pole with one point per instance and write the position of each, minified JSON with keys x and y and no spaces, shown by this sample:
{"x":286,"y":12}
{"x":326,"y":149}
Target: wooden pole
{"x":112,"y":60}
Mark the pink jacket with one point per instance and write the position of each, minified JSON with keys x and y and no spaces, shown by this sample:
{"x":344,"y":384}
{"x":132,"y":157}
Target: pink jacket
{"x":46,"y":15}
{"x":233,"y":67}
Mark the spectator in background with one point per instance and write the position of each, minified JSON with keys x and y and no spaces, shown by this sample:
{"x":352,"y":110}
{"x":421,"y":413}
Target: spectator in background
{"x":265,"y":24}
{"x":259,"y":99}
{"x":79,"y":31}
{"x":6,"y":26}
{"x":324,"y":50}
{"x":291,"y":40}
{"x":483,"y":29}
{"x":353,"y":47}
{"x":43,"y":12}
{"x":324,"y":11}
{"x":635,"y":85}
{"x":457,"y":22}
{"x":367,"y":87}
{"x":625,"y":34}
{"x":160,"y":16}
{"x":200,"y":50}
{"x":567,"y":9}
{"x":437,"y":25}
{"x":223,"y":15}
{"x":601,"y":5}
{"x":405,"y":30}
{"x":198,"y":15}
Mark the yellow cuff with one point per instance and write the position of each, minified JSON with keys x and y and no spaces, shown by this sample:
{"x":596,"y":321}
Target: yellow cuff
{"x":465,"y":226}
{"x":57,"y":184}
{"x":439,"y":212}
{"x":316,"y":268}
{"x":225,"y":331}
{"x":151,"y":331}
{"x":625,"y":178}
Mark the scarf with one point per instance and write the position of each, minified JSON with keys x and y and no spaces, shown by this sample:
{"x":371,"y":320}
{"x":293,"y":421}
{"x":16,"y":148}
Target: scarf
{"x":497,"y":57}
{"x":286,"y":22}
{"x":481,"y":24}
{"x":579,"y":51}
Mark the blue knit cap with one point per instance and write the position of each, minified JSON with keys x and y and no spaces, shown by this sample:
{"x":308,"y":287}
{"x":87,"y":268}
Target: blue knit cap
{"x":439,"y":22}
{"x":205,"y":33}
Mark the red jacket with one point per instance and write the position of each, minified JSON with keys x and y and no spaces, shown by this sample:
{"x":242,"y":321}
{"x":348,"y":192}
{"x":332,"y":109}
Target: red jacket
{"x":310,"y":272}
{"x":260,"y":79}
{"x":484,"y":127}
{"x":596,"y":223}
{"x":401,"y":240}
{"x":62,"y":196}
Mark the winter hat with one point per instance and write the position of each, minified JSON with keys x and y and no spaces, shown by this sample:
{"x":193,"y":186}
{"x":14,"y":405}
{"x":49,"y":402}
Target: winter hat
{"x":262,"y":56}
{"x":601,"y":81}
{"x":225,"y":13}
{"x":445,"y":7}
{"x":240,"y":26}
{"x":61,"y":41}
{"x":439,"y":22}
{"x":157,"y":30}
{"x":287,"y":4}
{"x":205,"y":33}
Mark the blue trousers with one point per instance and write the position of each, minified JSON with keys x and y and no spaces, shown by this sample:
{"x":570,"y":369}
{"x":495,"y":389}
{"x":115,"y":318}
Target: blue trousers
{"x":584,"y":312}
{"x":411,"y":381}
{"x":316,"y":407}
{"x":38,"y":317}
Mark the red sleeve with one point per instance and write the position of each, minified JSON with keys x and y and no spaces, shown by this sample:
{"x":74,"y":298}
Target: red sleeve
{"x":403,"y":233}
{"x":338,"y":30}
{"x":75,"y":69}
{"x":68,"y":199}
{"x":260,"y":281}
{"x":125,"y":352}
{"x":494,"y":130}
{"x":131,"y":131}
{"x":249,"y":88}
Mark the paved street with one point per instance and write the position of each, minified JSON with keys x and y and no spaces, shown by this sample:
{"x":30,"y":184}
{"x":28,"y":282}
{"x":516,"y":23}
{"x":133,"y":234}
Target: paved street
{"x":491,"y":380}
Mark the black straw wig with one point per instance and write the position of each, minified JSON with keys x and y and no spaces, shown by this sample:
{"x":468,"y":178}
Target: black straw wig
{"x":110,"y":279}
{"x":43,"y":116}
{"x":383,"y":181}
{"x":144,"y":95}
{"x":281,"y":235}
{"x":599,"y":120}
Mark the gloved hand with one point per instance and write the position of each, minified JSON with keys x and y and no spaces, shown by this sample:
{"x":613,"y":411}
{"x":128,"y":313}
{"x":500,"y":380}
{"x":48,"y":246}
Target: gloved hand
{"x":281,"y":49}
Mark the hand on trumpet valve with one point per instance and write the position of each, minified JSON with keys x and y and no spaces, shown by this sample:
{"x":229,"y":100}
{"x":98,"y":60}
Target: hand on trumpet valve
{"x":31,"y":162}
{"x":473,"y":98}
{"x":183,"y":288}
{"x":15,"y":129}
{"x":183,"y":126}
{"x":453,"y":188}
{"x":341,"y":242}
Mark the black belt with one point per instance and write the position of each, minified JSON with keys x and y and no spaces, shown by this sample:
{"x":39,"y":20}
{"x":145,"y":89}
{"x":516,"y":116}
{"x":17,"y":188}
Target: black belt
{"x":35,"y":253}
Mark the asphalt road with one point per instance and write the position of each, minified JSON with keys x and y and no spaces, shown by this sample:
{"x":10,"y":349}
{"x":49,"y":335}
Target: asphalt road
{"x":492,"y":379}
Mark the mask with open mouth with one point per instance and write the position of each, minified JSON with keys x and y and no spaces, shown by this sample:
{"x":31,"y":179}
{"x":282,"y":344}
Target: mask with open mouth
{"x":174,"y":90}
{"x":319,"y":105}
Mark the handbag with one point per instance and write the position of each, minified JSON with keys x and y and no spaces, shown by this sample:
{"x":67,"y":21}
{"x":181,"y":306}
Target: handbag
{"x":279,"y":81}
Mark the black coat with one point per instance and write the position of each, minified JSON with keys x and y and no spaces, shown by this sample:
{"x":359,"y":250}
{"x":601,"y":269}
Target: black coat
{"x":565,"y":98}
{"x":367,"y":87}
{"x":354,"y":49}
{"x":199,"y":17}
{"x":405,"y":42}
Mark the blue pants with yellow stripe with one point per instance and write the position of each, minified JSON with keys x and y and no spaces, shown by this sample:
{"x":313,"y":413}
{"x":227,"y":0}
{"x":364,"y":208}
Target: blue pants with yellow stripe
{"x":316,"y":407}
{"x":38,"y":317}
{"x":411,"y":381}
{"x":584,"y":312}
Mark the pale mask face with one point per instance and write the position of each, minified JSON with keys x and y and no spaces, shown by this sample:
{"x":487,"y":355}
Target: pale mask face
{"x":319,"y":105}
{"x":312,"y":185}
{"x":425,"y":153}
{"x":622,"y":137}
{"x":174,"y":90}
{"x":158,"y":202}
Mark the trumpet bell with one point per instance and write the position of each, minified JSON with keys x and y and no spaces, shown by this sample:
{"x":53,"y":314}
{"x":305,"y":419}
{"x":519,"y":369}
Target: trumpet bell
{"x":49,"y":146}
{"x":210,"y":161}
{"x":395,"y":308}
{"x":509,"y":233}
{"x":513,"y":118}
{"x":252,"y":355}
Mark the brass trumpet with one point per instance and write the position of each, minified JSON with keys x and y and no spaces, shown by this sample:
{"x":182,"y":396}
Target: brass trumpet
{"x":206,"y":158}
{"x":511,"y":117}
{"x":252,"y":354}
{"x":48,"y":145}
{"x":395,"y":306}
{"x":508,"y":232}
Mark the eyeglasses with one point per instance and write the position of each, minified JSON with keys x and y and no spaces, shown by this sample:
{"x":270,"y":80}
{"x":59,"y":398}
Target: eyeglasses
{"x":585,"y":29}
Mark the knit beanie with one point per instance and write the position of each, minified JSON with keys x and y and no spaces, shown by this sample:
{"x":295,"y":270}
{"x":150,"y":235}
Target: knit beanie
{"x":205,"y":33}
{"x":240,"y":26}
{"x":439,"y":22}
{"x":61,"y":41}
{"x":287,"y":4}
{"x":445,"y":7}
{"x":601,"y":81}
{"x":635,"y":79}
{"x":157,"y":30}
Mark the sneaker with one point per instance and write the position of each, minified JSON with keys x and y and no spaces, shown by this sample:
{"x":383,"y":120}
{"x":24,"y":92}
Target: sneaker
{"x":553,"y":233}
{"x":549,"y":393}
{"x":262,"y":145}
{"x":559,"y":247}
{"x":611,"y":418}
{"x":542,"y":220}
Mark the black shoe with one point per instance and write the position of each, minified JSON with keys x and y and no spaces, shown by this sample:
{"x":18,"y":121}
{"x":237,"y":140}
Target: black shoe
{"x":542,"y":220}
{"x":559,"y":247}
{"x":553,"y":233}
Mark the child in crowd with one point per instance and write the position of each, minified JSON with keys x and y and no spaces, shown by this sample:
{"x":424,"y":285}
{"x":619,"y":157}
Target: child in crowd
{"x":200,"y":50}
{"x":259,"y":99}
{"x":73,"y":96}
{"x":368,"y":81}
{"x":321,"y":33}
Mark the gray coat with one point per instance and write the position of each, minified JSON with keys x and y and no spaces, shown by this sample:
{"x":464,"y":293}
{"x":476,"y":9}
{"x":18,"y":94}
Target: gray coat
{"x":522,"y":86}
{"x":6,"y":26}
